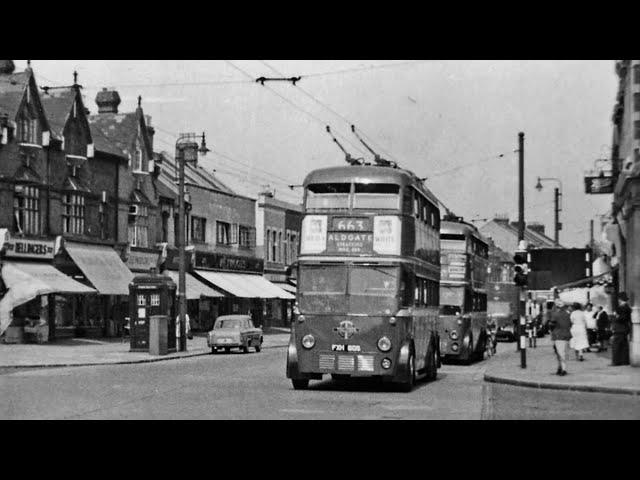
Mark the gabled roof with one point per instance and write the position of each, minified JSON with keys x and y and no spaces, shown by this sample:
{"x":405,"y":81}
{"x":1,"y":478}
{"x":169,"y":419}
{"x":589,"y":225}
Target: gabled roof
{"x":193,"y":174}
{"x":115,"y":133}
{"x":532,"y":237}
{"x":57,"y":105}
{"x":12,"y":88}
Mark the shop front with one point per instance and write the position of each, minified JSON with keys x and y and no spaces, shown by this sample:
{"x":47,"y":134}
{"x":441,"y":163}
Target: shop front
{"x":240,"y":278}
{"x":100,"y":267}
{"x":37,"y":299}
{"x":203,"y":302}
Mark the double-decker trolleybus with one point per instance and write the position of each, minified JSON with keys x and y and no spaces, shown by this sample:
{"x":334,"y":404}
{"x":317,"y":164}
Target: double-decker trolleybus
{"x":368,"y":275}
{"x":463,"y":290}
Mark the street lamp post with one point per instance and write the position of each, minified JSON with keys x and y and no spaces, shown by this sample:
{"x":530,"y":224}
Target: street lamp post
{"x":186,"y":151}
{"x":557,"y":195}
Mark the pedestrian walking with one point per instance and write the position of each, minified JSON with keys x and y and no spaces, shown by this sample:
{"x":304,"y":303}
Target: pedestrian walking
{"x":579,"y":341}
{"x":590,"y":320}
{"x":187,"y":328}
{"x":559,"y":324}
{"x":602,"y":323}
{"x":620,"y":328}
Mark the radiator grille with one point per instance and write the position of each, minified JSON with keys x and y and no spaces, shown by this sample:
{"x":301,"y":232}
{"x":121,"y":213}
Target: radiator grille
{"x":346,"y":362}
{"x":365,"y":363}
{"x":327,"y":362}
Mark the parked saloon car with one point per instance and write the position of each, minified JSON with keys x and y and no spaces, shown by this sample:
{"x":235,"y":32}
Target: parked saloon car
{"x":234,"y":331}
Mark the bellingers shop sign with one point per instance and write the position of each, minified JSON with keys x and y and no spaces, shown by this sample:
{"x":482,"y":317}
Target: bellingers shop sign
{"x":15,"y":247}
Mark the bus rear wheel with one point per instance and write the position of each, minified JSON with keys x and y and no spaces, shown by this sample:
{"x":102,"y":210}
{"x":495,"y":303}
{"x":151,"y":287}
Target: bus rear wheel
{"x":300,"y":384}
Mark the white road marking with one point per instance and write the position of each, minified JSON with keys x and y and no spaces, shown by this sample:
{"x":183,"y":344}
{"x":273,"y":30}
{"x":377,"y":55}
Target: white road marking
{"x":300,"y":410}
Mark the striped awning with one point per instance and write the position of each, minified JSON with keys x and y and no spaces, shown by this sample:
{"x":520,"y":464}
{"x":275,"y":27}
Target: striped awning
{"x":195,"y":288}
{"x":244,"y":285}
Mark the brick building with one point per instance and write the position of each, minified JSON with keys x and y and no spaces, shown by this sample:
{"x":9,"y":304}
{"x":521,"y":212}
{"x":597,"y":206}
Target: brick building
{"x":55,"y":207}
{"x":278,"y":225}
{"x":224,"y":272}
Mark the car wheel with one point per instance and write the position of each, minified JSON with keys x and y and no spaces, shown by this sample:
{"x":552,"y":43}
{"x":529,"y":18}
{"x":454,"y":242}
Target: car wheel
{"x":300,"y":384}
{"x":408,"y":385}
{"x":258,"y":347}
{"x":245,"y":349}
{"x":227,"y":349}
{"x":214,"y":350}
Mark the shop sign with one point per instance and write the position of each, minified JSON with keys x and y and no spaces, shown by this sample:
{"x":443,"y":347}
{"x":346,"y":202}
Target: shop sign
{"x":28,"y":248}
{"x":142,"y":261}
{"x":600,"y":184}
{"x":218,"y":261}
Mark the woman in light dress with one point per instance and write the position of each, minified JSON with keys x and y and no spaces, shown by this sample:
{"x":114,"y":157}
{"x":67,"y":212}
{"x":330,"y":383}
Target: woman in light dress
{"x":579,"y":341}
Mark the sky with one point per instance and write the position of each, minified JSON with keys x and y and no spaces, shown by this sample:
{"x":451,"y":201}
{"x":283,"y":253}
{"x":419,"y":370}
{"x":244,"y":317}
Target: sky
{"x":455,"y":122}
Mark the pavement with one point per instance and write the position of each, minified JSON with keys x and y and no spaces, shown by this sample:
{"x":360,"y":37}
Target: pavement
{"x":77,"y":352}
{"x":594,"y":374}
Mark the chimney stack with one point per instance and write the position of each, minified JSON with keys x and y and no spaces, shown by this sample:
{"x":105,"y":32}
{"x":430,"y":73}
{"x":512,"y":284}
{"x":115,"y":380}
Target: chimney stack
{"x":7,"y":67}
{"x":108,"y":101}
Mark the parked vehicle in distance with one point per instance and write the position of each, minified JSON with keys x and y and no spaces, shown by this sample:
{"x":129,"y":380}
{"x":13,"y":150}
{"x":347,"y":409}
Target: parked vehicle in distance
{"x":234,"y":331}
{"x":506,"y":333}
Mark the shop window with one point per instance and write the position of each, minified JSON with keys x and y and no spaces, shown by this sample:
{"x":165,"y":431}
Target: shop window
{"x":73,"y":214}
{"x":26,"y":209}
{"x":274,"y":246}
{"x":223,"y":233}
{"x":636,"y":102}
{"x":198,"y":229}
{"x":636,"y":130}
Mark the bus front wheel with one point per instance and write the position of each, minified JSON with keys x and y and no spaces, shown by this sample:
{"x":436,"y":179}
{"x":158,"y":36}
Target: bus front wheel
{"x":300,"y":384}
{"x":432,"y":369}
{"x":407,"y":386}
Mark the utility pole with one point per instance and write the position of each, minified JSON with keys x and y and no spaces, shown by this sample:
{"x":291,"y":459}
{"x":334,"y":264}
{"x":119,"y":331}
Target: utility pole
{"x":557,"y":216}
{"x":521,"y":332}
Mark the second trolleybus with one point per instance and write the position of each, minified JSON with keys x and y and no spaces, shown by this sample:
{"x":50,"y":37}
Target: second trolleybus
{"x":463,"y":290}
{"x":368,"y":278}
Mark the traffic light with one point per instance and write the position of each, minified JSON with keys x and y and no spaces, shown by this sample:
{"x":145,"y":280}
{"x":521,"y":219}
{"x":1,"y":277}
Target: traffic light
{"x":521,"y":267}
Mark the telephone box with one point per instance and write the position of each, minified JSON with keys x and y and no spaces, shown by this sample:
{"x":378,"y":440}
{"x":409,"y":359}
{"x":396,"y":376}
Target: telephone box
{"x":149,"y":295}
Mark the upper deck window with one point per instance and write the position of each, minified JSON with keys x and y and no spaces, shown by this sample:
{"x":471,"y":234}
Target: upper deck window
{"x":328,"y":195}
{"x":454,"y":242}
{"x":376,"y":195}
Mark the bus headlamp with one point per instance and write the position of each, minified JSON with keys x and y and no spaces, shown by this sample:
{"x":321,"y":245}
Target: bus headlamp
{"x":454,"y":347}
{"x":392,"y":320}
{"x":453,"y":334}
{"x":308,"y":341}
{"x":384,"y":344}
{"x":301,"y":318}
{"x":386,"y":363}
{"x":459,"y":321}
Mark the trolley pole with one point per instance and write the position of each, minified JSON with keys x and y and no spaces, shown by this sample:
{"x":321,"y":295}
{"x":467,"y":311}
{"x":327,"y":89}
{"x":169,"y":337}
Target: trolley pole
{"x":521,"y":323}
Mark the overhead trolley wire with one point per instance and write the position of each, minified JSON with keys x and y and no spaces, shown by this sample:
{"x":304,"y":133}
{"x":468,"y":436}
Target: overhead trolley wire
{"x":327,"y":107}
{"x":311,"y":115}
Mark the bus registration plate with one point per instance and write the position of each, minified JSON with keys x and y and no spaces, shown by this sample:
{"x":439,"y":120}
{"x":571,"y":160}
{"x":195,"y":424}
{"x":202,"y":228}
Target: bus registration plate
{"x":345,"y":348}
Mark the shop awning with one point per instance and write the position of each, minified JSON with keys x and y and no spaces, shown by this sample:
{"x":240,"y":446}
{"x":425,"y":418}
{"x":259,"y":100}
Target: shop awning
{"x":26,"y":281}
{"x":195,"y":288}
{"x":244,"y":285}
{"x":286,"y":287}
{"x":602,"y":278}
{"x":102,"y":266}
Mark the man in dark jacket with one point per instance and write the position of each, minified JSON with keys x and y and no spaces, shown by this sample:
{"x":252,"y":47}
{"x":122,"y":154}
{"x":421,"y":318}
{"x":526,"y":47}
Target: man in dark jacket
{"x":560,"y":326}
{"x":602,"y":324}
{"x":620,"y":329}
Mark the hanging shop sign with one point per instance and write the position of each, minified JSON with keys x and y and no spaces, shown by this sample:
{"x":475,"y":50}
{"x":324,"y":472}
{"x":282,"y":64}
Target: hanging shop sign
{"x":601,"y":184}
